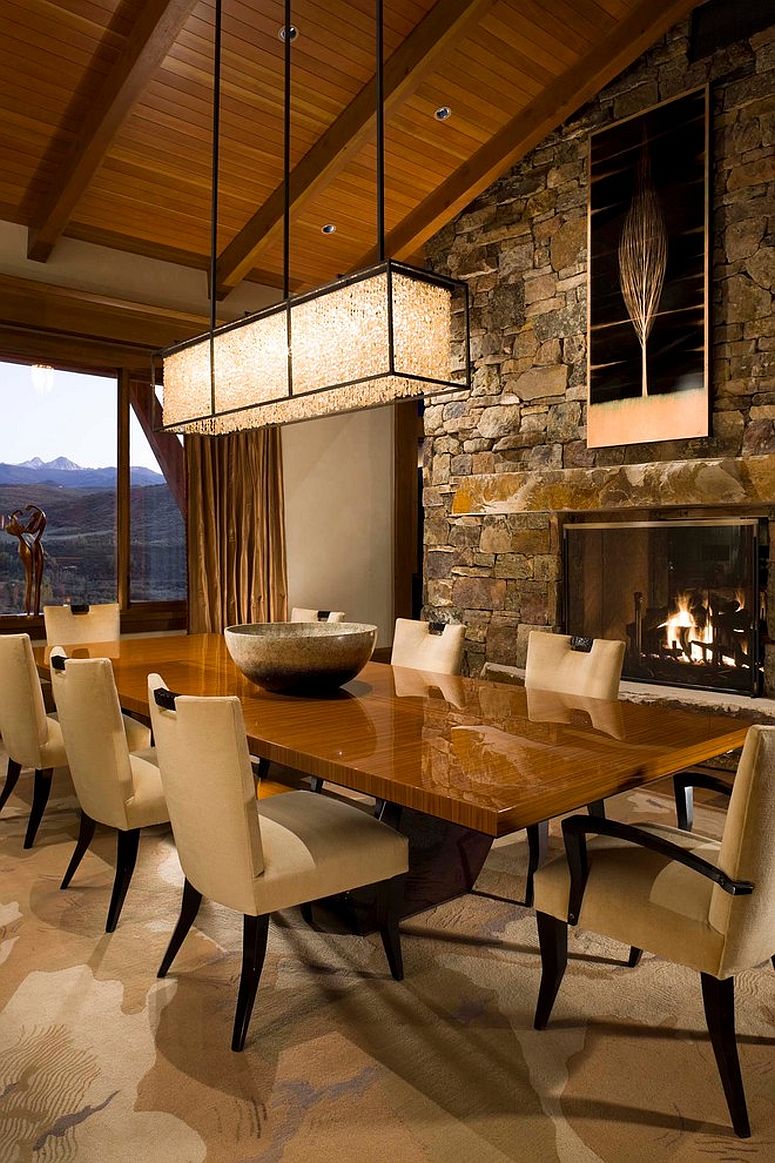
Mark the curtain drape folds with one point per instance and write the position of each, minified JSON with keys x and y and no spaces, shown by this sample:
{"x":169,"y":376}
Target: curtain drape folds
{"x":236,"y":530}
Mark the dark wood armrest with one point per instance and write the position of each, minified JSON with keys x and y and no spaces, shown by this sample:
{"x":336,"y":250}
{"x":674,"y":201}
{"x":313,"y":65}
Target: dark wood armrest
{"x":575,"y":831}
{"x":165,"y":698}
{"x":683,"y":783}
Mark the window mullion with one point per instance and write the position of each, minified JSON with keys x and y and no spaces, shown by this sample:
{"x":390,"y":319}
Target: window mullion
{"x":122,"y":492}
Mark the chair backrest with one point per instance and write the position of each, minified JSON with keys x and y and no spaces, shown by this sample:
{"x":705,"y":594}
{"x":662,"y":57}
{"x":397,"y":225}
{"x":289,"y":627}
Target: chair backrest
{"x":22,"y":712}
{"x":300,"y":614}
{"x":553,"y":665}
{"x":208,"y":783}
{"x":95,"y":739}
{"x":748,"y":853}
{"x":97,"y":624}
{"x":418,"y":646}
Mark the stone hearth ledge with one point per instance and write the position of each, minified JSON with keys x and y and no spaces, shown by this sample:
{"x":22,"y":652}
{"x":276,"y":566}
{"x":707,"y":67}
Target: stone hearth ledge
{"x":731,"y":481}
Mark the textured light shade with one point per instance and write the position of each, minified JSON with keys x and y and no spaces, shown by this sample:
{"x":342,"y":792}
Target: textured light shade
{"x":383,"y":334}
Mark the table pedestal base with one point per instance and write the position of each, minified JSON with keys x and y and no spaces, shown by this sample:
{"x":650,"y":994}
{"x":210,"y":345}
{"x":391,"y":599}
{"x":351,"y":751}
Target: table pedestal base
{"x":444,"y":862}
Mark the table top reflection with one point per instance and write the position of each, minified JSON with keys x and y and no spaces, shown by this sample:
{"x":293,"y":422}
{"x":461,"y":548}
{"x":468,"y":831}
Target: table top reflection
{"x":488,"y":756}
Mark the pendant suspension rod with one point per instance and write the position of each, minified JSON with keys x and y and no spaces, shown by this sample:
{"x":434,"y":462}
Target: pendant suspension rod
{"x":214,"y":192}
{"x":287,"y":155}
{"x":380,"y":93}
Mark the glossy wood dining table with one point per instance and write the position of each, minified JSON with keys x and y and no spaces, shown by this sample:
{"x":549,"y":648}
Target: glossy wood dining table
{"x":489,"y":756}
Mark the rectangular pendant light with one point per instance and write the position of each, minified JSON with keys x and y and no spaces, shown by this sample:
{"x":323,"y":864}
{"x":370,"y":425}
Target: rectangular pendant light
{"x":386,"y":333}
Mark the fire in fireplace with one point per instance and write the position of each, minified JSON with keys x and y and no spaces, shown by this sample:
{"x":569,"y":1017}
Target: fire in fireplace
{"x":685,"y":596}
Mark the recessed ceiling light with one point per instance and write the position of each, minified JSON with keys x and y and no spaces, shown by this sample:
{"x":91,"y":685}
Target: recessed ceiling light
{"x":294,"y":32}
{"x":329,"y":228}
{"x":443,"y":113}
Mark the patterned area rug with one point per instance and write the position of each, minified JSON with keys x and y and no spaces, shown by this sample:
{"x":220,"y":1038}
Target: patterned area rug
{"x":101,"y":1062}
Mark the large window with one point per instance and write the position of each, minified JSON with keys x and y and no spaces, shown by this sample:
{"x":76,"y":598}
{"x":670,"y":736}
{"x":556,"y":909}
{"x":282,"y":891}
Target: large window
{"x":83,"y":472}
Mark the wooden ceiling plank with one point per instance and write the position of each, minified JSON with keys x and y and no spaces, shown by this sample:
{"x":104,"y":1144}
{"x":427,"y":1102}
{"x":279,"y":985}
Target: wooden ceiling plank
{"x":404,"y":72}
{"x":151,"y":37}
{"x":647,"y":21}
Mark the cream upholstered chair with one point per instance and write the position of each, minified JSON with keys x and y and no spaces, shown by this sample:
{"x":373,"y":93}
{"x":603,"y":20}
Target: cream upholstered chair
{"x":288,"y":850}
{"x":299,"y":614}
{"x":69,"y":625}
{"x":30,"y":736}
{"x":555,"y":664}
{"x":705,"y":904}
{"x":432,"y":646}
{"x":116,"y":783}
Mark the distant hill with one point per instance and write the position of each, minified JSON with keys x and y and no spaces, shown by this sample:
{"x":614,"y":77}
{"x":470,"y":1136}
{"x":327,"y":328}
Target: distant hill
{"x":64,"y":473}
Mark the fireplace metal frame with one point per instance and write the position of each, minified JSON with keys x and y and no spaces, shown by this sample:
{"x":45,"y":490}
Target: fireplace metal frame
{"x":757,"y":522}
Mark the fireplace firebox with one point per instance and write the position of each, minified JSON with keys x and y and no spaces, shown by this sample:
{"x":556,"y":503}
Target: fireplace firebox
{"x":687,"y":597}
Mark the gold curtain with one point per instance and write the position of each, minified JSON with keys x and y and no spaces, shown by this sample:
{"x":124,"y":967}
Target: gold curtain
{"x":236,"y":531}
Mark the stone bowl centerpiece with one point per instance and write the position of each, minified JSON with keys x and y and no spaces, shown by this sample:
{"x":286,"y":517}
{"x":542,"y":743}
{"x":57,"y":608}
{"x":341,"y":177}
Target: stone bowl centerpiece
{"x":308,"y":657}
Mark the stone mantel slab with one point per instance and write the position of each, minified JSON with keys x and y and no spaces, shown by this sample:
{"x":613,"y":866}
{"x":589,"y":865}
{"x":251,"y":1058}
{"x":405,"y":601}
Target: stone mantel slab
{"x":733,"y":481}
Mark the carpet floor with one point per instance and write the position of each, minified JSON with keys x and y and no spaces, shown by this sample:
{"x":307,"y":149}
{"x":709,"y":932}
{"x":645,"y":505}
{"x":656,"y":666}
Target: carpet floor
{"x":102,"y":1062}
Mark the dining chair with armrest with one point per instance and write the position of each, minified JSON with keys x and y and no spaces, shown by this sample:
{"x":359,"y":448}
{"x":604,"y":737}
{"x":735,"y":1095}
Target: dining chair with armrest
{"x":708,"y":905}
{"x":556,"y":663}
{"x":258,"y":858}
{"x":30,"y":736}
{"x":72,"y":624}
{"x":117,"y":782}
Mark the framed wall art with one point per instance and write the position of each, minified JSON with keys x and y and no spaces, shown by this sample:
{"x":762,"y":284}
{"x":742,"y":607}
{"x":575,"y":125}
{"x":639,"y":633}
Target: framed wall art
{"x":647,"y":305}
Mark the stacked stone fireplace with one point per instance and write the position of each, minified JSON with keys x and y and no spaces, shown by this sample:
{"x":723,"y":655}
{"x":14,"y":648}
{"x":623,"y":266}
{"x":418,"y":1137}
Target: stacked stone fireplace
{"x":507,"y":466}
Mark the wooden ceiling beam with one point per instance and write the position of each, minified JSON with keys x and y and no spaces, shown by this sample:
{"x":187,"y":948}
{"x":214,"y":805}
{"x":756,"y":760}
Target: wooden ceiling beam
{"x":405,"y":71}
{"x":151,"y":38}
{"x":27,"y":303}
{"x":649,"y":20}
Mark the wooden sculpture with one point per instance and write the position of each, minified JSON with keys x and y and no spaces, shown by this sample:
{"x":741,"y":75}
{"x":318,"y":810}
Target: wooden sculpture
{"x":30,"y":533}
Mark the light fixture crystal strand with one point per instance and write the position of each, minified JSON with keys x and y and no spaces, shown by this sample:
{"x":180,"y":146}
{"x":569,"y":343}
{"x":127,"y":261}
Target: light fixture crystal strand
{"x":379,"y":335}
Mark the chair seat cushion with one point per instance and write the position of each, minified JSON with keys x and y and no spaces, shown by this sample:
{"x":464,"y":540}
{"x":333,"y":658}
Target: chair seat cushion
{"x":147,"y":805}
{"x":641,"y":898}
{"x":315,"y":846}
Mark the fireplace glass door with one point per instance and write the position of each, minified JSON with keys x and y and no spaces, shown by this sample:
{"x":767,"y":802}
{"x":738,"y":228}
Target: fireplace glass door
{"x":683,"y":596}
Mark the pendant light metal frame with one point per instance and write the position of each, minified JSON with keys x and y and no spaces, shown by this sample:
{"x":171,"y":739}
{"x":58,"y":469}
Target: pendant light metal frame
{"x":411,"y":303}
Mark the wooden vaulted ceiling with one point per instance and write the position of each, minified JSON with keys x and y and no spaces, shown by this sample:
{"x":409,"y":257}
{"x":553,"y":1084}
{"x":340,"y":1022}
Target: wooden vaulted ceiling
{"x":105,"y":118}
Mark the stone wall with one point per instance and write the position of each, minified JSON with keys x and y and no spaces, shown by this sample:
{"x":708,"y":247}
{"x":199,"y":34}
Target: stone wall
{"x":521,"y":247}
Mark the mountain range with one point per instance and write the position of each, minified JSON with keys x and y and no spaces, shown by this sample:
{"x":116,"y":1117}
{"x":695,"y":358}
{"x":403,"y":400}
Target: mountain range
{"x":65,"y":473}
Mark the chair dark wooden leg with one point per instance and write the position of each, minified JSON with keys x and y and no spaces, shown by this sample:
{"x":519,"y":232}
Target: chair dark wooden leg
{"x":538,"y":846}
{"x":41,"y":790}
{"x":306,"y":912}
{"x":634,"y":958}
{"x":188,"y":909}
{"x":85,"y":837}
{"x":11,"y":779}
{"x":316,"y":783}
{"x":773,"y":961}
{"x":553,"y":940}
{"x":390,"y":899}
{"x":719,"y":1000}
{"x":126,"y":856}
{"x":597,"y":808}
{"x":684,"y":806}
{"x":255,"y":931}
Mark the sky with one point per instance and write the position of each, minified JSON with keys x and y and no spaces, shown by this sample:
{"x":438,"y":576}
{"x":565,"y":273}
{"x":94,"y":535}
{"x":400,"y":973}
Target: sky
{"x":76,"y":419}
